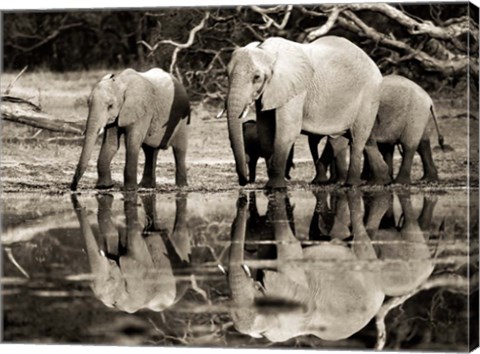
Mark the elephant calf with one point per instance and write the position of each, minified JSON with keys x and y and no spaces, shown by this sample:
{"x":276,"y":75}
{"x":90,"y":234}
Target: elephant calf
{"x":254,"y":151}
{"x":151,"y":109}
{"x":403,"y":115}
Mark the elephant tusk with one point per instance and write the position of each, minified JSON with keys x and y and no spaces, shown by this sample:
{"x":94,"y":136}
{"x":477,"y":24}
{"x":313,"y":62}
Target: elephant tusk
{"x":100,"y":132}
{"x":222,"y":269}
{"x":220,"y":114}
{"x":247,"y":270}
{"x":245,"y":112}
{"x":102,"y":253}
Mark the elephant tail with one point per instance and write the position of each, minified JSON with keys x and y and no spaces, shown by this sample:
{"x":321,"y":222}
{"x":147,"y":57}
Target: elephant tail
{"x":440,"y":136}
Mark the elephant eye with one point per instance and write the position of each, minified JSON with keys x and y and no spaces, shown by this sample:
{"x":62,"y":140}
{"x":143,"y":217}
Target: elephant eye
{"x":256,"y":77}
{"x":110,"y":106}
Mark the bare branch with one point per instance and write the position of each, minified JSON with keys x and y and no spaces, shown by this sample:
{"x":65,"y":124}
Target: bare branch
{"x":416,"y":27}
{"x":178,"y":46}
{"x":270,"y":21}
{"x":451,"y":66}
{"x":10,"y":85}
{"x":326,"y":27}
{"x":447,"y":281}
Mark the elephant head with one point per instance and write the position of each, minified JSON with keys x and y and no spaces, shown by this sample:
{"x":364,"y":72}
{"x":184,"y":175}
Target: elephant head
{"x":303,"y":294}
{"x":271,"y":73}
{"x":131,"y":270}
{"x":116,"y":100}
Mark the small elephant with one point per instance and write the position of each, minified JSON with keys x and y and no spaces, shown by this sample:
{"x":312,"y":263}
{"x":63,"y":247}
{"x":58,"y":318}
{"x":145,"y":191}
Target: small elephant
{"x":402,"y":248}
{"x":254,"y":150}
{"x":404,"y":112}
{"x":132,"y":263}
{"x":151,"y":109}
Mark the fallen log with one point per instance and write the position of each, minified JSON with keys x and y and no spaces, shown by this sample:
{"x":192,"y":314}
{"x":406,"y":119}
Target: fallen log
{"x":18,"y":110}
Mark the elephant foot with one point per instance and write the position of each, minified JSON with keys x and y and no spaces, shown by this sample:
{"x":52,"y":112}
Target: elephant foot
{"x":319,"y":181}
{"x":379,"y":181}
{"x":149,"y":184}
{"x":181,"y":183}
{"x":277,"y":184}
{"x":104,"y":185}
{"x":129,"y":188}
{"x":353,"y":182}
{"x":433,"y":178}
{"x":402,"y":180}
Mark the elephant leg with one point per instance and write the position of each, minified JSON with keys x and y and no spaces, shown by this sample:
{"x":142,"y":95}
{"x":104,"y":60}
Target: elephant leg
{"x":340,"y":228}
{"x":339,"y":167}
{"x":366,"y":171}
{"x":148,"y":178}
{"x":288,"y":124}
{"x":290,"y":164}
{"x":252,"y":168}
{"x":430,"y":173}
{"x":425,"y":218}
{"x":133,"y":142}
{"x":359,"y":141}
{"x":149,"y":202}
{"x":110,"y":145}
{"x":377,"y":208}
{"x":179,"y":145}
{"x":321,"y":164}
{"x":107,"y":229}
{"x":377,"y":164}
{"x":387,"y":151}
{"x":403,"y":176}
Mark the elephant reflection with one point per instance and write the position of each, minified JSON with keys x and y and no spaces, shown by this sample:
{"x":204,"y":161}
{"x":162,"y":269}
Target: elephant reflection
{"x":311,"y":296}
{"x":331,"y":289}
{"x":132,"y":262}
{"x":402,"y":248}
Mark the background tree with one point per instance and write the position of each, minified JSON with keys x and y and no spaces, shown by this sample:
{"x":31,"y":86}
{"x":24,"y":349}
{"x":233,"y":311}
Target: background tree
{"x":433,"y":44}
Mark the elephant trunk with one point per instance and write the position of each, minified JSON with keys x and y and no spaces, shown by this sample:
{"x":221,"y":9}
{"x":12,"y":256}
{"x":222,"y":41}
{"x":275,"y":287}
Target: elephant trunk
{"x":241,"y":286}
{"x":235,"y":106}
{"x":91,"y":134}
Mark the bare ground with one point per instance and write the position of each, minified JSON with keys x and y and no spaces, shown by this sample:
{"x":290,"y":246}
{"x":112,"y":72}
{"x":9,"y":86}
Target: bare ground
{"x":49,"y":166}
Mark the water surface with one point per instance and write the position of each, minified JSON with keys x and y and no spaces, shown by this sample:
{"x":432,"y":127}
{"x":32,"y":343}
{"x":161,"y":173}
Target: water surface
{"x":298,"y":269}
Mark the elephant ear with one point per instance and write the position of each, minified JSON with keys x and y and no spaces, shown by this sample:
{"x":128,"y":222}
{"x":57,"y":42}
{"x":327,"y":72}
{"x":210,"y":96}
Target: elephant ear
{"x":139,"y":100}
{"x":292,"y":72}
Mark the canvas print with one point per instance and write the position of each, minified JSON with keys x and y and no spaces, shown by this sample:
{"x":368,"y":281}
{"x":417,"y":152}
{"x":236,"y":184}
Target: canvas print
{"x":255,"y":176}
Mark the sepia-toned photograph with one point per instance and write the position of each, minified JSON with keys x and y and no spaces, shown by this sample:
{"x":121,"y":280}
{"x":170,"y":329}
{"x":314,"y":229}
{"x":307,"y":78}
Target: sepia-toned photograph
{"x":241,"y":176}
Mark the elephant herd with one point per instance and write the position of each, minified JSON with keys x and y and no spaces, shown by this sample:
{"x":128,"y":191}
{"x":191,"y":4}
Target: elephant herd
{"x":328,"y":88}
{"x":329,"y":281}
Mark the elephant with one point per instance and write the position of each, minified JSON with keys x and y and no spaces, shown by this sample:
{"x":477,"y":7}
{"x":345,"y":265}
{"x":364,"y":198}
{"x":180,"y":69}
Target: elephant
{"x":405,"y":258}
{"x":403,"y":115}
{"x":132,"y":264}
{"x":151,"y":109}
{"x":300,"y":295}
{"x":329,"y":87}
{"x":253,"y":150}
{"x":330,"y":223}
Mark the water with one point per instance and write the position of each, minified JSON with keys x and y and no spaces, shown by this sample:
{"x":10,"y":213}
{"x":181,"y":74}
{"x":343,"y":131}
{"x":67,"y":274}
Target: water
{"x":303,"y":269}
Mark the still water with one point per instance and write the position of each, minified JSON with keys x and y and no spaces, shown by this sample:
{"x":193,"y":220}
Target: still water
{"x":299,"y":269}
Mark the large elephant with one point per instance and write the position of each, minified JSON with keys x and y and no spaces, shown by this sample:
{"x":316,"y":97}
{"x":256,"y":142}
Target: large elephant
{"x":131,"y":263}
{"x":403,"y":115}
{"x":305,"y":294}
{"x":151,"y":109}
{"x":328,"y":87}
